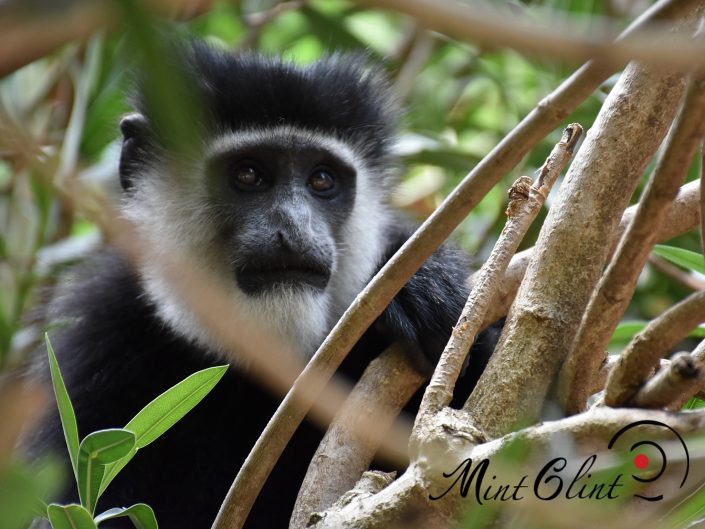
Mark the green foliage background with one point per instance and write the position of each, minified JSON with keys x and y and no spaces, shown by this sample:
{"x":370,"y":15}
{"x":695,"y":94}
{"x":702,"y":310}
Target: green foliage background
{"x":59,"y":115}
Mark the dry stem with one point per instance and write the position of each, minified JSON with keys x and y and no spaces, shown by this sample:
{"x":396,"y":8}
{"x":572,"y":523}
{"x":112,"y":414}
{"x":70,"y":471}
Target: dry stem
{"x":683,"y":376}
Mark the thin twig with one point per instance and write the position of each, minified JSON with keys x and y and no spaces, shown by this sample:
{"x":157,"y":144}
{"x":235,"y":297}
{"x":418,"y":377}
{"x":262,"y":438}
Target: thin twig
{"x":421,"y":48}
{"x":616,"y":287}
{"x":256,"y":22}
{"x":642,"y":354}
{"x":675,"y":383}
{"x":525,"y":202}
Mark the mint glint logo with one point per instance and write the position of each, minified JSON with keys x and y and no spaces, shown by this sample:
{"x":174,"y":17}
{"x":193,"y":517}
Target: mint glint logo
{"x":641,"y":460}
{"x":559,"y":479}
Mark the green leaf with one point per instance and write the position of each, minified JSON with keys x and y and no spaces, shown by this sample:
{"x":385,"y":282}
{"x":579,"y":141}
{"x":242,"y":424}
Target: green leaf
{"x":66,"y":413}
{"x":97,"y":450}
{"x":694,"y":403}
{"x":626,"y":330}
{"x":684,"y":258}
{"x":164,"y":411}
{"x":688,"y":512}
{"x":140,"y":514}
{"x":69,"y":517}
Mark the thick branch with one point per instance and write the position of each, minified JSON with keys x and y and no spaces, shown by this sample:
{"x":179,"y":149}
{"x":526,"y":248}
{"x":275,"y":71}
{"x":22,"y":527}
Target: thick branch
{"x":644,"y":352}
{"x":616,"y":287}
{"x":408,"y":496}
{"x":347,"y":450}
{"x":572,"y":248}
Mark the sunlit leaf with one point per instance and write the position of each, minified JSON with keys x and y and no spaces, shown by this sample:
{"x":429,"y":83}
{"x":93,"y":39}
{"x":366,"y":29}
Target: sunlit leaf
{"x":69,"y":517}
{"x":164,"y":411}
{"x":684,"y":258}
{"x":97,"y":450}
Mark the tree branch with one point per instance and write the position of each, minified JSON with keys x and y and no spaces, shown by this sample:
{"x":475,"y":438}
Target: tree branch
{"x":525,"y":203}
{"x":617,"y":284}
{"x":683,"y":376}
{"x":684,"y":277}
{"x":683,"y":216}
{"x":572,"y":247}
{"x":407,"y":498}
{"x":348,"y":447}
{"x":26,"y":36}
{"x":611,"y":361}
{"x":479,"y":23}
{"x":642,"y":355}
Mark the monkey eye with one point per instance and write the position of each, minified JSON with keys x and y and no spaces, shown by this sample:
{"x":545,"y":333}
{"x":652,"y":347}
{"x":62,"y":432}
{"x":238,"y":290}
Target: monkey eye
{"x":322,"y":182}
{"x":247,"y":176}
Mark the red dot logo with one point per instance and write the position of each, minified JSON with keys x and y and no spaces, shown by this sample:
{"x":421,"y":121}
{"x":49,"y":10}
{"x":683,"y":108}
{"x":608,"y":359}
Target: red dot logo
{"x":641,"y":461}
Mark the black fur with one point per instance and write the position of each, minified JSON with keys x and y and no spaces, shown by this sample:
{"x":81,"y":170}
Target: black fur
{"x":340,"y":94}
{"x":117,"y":354}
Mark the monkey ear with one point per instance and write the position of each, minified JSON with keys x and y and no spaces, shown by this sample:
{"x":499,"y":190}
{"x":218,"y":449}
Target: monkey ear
{"x":135,"y":148}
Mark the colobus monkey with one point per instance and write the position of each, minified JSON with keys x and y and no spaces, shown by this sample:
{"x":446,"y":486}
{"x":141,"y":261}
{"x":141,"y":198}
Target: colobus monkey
{"x":286,"y":200}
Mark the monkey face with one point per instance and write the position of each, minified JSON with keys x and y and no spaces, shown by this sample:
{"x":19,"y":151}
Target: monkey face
{"x":280,"y":207}
{"x":281,"y":191}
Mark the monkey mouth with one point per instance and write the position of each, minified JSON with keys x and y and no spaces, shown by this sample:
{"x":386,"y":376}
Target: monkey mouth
{"x":257,"y":277}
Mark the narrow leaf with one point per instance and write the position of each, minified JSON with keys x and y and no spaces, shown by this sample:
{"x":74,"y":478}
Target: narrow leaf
{"x":69,"y":517}
{"x":97,"y":450}
{"x":169,"y":407}
{"x":140,"y":514}
{"x":164,"y":411}
{"x":66,"y":413}
{"x":684,"y":258}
